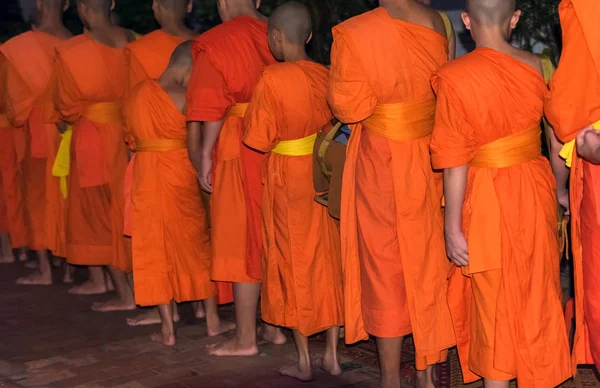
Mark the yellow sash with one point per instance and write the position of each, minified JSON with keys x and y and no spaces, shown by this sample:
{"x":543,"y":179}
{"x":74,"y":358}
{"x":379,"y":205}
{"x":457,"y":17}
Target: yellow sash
{"x":509,"y":151}
{"x":298,"y":147}
{"x":238,"y":110}
{"x":61,"y":166}
{"x":159,"y":145}
{"x":567,"y":151}
{"x":4,"y":122}
{"x":405,"y":121}
{"x":103,"y":112}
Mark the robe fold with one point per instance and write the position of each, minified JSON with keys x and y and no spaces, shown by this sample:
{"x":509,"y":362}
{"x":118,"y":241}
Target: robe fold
{"x":395,"y":265}
{"x":170,"y":240}
{"x":91,"y":83}
{"x":302,"y":273}
{"x":30,"y":64}
{"x":228,"y":61}
{"x":573,"y":104}
{"x":10,"y":170}
{"x":489,"y":109}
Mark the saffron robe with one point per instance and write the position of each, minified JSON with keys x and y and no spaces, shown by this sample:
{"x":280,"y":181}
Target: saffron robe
{"x":30,"y":63}
{"x":573,"y":104}
{"x":302,"y":268}
{"x":92,"y":79}
{"x":395,"y":265}
{"x":228,"y":61}
{"x":512,"y":325}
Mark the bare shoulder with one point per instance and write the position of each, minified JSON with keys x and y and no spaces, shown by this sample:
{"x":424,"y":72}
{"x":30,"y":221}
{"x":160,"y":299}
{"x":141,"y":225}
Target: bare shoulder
{"x":417,"y":13}
{"x":530,"y":59}
{"x":127,"y":35}
{"x":177,"y":94}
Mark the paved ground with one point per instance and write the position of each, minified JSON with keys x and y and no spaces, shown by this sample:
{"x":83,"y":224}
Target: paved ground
{"x":51,"y":339}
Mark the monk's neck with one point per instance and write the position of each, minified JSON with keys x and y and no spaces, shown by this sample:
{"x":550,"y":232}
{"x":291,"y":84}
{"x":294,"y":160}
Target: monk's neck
{"x":177,"y":29}
{"x":99,"y":21}
{"x":295,"y":54}
{"x":252,"y":13}
{"x":50,"y":21}
{"x":493,"y":38}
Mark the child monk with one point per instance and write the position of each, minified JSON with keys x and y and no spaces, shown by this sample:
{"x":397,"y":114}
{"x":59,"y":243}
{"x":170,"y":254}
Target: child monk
{"x":500,"y":218}
{"x":302,"y":273}
{"x":30,"y":59}
{"x":91,"y":74}
{"x":170,"y":241}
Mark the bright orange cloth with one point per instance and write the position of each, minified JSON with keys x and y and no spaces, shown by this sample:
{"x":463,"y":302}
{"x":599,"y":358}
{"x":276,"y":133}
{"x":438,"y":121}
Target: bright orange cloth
{"x":302,"y":272}
{"x":512,"y":325}
{"x":30,"y":62}
{"x":148,"y":56}
{"x":91,"y":83}
{"x":10,"y":171}
{"x":395,"y":265}
{"x":228,"y":61}
{"x":171,"y":245}
{"x":574,"y":103}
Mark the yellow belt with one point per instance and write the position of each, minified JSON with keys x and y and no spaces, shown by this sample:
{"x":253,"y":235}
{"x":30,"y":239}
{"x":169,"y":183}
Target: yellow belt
{"x":569,"y":148}
{"x":406,"y":121}
{"x":509,"y":151}
{"x":61,"y":167}
{"x":238,"y":110}
{"x":298,"y":147}
{"x":103,"y":112}
{"x":159,"y":145}
{"x":4,"y":122}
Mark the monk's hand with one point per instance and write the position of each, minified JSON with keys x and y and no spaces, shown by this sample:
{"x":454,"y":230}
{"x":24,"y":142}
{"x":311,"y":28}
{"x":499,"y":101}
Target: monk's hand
{"x":563,"y":200}
{"x":457,"y":248}
{"x":205,"y":174}
{"x":588,"y":145}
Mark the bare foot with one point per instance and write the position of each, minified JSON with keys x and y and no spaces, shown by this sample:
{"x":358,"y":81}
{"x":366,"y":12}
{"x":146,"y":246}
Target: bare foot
{"x":56,"y":262}
{"x":224,"y":327}
{"x":148,"y":318}
{"x":23,"y":256}
{"x":36,"y":279}
{"x":271,"y":334}
{"x":89,"y":288}
{"x":329,"y":365}
{"x":109,"y":284}
{"x":165,"y":339}
{"x":199,"y":311}
{"x":68,"y":277}
{"x":302,"y":374}
{"x":114,"y":305}
{"x":7,"y":259}
{"x":232,"y":348}
{"x":32,"y":264}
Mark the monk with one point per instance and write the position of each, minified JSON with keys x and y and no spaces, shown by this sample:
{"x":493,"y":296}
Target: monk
{"x":92,"y":76}
{"x":395,"y":266}
{"x":171,"y":245}
{"x":500,"y":215}
{"x":228,"y":61}
{"x":302,"y":272}
{"x":573,"y":105}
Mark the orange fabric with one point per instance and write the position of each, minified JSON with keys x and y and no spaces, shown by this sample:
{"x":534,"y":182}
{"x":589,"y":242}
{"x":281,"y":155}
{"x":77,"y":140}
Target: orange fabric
{"x":485,"y":101}
{"x":3,"y":214}
{"x":228,"y":61}
{"x":30,"y":58}
{"x":148,"y":56}
{"x":574,"y":103}
{"x":415,"y":118}
{"x":91,"y":81}
{"x":170,"y":241}
{"x":395,"y":266}
{"x":302,"y":273}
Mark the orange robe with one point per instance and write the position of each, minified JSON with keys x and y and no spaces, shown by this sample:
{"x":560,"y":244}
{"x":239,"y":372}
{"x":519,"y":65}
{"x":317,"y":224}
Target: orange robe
{"x":149,"y":56}
{"x":228,"y":61}
{"x":171,"y":245}
{"x":91,"y":82}
{"x":395,"y":265}
{"x":302,"y":273}
{"x":30,"y":63}
{"x":512,"y":324}
{"x":573,"y":104}
{"x":11,"y":141}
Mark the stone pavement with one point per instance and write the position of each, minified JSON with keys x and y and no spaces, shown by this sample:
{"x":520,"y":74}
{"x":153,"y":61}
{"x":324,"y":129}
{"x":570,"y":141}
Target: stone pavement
{"x":49,"y":338}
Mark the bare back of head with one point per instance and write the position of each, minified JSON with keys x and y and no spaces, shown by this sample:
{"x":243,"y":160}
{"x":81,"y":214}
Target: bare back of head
{"x":290,"y":29}
{"x":175,"y":78}
{"x":170,"y":14}
{"x":230,"y":9}
{"x":49,"y":17}
{"x":96,"y":18}
{"x":415,"y":12}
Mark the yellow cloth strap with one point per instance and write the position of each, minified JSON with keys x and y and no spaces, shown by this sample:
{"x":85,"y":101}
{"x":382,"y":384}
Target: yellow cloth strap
{"x":4,"y":122}
{"x":569,"y":148}
{"x":62,"y":162}
{"x":238,"y":110}
{"x":509,"y":151}
{"x":298,"y":147}
{"x":159,"y":145}
{"x":405,"y":121}
{"x":103,"y":112}
{"x":447,"y":25}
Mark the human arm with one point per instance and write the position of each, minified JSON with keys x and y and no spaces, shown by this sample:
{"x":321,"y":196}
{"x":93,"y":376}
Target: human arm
{"x":455,"y":183}
{"x":588,"y":145}
{"x":560,"y":169}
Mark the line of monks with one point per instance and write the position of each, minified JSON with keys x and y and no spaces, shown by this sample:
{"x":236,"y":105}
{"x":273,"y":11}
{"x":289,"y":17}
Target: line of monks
{"x":110,"y":142}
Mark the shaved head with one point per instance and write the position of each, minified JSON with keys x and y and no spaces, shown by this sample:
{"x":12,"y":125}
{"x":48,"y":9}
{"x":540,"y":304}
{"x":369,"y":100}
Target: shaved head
{"x":54,"y":4}
{"x":293,"y":20}
{"x":182,"y":55}
{"x":98,"y":5}
{"x":230,"y":9}
{"x":176,"y":6}
{"x":491,"y":12}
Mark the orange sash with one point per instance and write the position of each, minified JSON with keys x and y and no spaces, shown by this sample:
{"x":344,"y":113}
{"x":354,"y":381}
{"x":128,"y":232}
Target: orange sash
{"x":509,"y":151}
{"x":159,"y":145}
{"x":238,"y":110}
{"x":404,"y":121}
